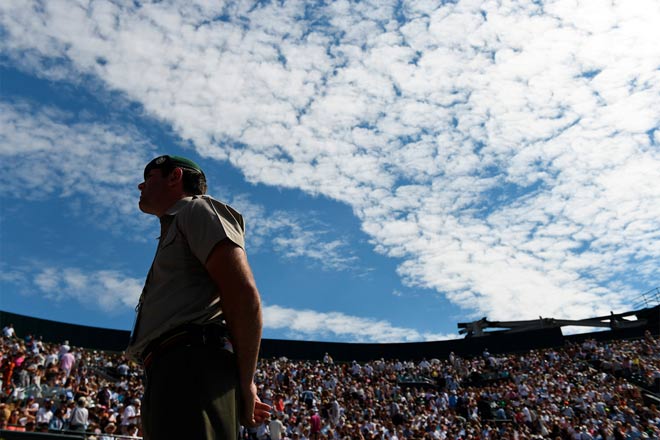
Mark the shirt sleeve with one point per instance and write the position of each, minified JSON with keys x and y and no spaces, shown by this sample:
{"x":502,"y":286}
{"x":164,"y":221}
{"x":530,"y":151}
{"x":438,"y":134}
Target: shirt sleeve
{"x":207,"y":222}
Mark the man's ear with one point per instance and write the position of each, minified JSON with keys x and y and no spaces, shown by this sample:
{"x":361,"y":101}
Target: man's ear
{"x":175,"y":176}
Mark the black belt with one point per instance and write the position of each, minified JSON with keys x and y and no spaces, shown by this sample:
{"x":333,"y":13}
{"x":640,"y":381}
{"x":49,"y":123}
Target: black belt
{"x":188,"y":335}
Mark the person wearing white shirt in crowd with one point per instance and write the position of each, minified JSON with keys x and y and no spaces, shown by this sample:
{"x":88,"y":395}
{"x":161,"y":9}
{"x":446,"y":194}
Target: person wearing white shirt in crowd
{"x":129,"y":416}
{"x":79,"y":417}
{"x":45,"y":413}
{"x":262,"y":432}
{"x":52,"y":358}
{"x":276,"y":428}
{"x":32,"y":407}
{"x":335,"y":412}
{"x":64,"y":348}
{"x":355,"y":369}
{"x":123,"y":369}
{"x":330,"y":382}
{"x":9,"y":332}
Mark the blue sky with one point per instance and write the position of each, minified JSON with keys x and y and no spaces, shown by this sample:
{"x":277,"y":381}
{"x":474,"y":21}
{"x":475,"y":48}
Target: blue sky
{"x":402,"y":166}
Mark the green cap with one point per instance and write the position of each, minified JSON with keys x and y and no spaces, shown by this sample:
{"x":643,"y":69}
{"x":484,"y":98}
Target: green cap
{"x":170,"y":162}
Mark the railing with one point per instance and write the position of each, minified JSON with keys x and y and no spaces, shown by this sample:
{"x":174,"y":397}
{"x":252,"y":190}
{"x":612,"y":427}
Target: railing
{"x":648,"y":299}
{"x":38,"y":391}
{"x":87,"y":434}
{"x":11,"y":434}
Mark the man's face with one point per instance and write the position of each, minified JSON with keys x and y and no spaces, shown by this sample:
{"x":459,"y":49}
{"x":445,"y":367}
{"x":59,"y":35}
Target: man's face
{"x":153,"y":192}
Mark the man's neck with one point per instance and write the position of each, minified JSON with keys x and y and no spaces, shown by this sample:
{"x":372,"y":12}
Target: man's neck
{"x":174,"y":201}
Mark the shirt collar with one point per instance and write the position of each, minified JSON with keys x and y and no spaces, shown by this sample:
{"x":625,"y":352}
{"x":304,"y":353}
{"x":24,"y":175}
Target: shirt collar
{"x":178,"y":205}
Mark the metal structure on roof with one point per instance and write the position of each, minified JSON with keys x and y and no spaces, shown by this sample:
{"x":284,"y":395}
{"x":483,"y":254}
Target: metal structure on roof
{"x":614,"y":321}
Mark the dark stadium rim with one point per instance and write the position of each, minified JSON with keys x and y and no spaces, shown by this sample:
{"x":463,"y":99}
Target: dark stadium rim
{"x":496,"y":342}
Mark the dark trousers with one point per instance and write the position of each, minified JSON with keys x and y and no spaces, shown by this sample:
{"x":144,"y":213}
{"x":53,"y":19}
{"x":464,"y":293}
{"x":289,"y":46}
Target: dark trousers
{"x":191,"y":393}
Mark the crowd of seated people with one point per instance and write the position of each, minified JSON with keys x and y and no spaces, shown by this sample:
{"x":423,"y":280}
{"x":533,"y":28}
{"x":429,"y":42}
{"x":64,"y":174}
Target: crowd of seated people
{"x":582,"y":391}
{"x":49,"y":387}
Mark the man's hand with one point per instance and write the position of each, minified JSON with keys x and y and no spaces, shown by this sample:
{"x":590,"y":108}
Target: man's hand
{"x":253,"y":412}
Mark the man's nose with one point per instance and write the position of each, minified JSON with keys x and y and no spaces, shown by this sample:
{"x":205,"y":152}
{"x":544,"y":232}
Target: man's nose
{"x":140,"y":186}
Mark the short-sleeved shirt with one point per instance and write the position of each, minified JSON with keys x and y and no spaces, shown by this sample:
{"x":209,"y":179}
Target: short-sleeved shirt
{"x":178,"y":289}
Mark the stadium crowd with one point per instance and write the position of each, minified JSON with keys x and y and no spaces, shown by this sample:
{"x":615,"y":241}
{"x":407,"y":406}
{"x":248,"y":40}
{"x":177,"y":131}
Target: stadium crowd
{"x":582,"y":391}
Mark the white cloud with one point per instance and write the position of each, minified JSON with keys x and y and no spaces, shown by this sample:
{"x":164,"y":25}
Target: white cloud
{"x":295,"y":236}
{"x":507,"y":153}
{"x":107,"y":290}
{"x":52,"y":153}
{"x":310,"y":324}
{"x":110,"y":290}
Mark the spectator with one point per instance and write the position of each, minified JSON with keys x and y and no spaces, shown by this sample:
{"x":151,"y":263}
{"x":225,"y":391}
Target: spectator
{"x":79,"y":417}
{"x":575,"y":392}
{"x":44,"y":414}
{"x":56,"y":421}
{"x":315,"y":424}
{"x":276,"y":428}
{"x":8,"y":331}
{"x":130,"y":416}
{"x":67,"y":359}
{"x":13,"y":423}
{"x":64,"y":348}
{"x":109,"y":431}
{"x":123,"y":369}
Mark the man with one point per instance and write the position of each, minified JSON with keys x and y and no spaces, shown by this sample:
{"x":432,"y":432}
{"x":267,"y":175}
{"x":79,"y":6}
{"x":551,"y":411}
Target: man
{"x":307,"y":397}
{"x":130,"y":414}
{"x":198,"y":324}
{"x":315,"y":422}
{"x":9,"y":332}
{"x":79,"y":417}
{"x":109,"y":431}
{"x":67,"y":360}
{"x":45,"y":414}
{"x":64,"y":348}
{"x":123,"y":369}
{"x":103,"y":396}
{"x":335,"y":412}
{"x":276,"y":428}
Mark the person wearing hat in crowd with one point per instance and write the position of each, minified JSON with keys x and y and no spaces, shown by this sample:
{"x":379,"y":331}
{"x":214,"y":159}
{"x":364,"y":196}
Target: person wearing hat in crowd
{"x":109,"y":431}
{"x":198,"y":324}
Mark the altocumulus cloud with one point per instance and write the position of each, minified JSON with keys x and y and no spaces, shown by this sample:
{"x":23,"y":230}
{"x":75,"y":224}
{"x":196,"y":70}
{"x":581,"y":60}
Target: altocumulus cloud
{"x":106,"y":289}
{"x":49,"y":151}
{"x":505,"y":152}
{"x":295,"y":236}
{"x":52,"y":152}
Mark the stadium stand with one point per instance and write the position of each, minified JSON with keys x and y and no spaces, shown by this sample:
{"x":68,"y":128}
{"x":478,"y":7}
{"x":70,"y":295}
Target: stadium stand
{"x":583,"y":387}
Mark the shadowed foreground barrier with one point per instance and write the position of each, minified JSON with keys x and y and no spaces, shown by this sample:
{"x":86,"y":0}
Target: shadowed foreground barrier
{"x":17,"y":435}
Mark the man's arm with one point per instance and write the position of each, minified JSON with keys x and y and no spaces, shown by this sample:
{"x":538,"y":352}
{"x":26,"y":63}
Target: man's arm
{"x":228,"y":267}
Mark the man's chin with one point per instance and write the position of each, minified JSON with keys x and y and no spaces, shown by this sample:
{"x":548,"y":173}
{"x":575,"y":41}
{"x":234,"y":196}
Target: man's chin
{"x":143,"y":207}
